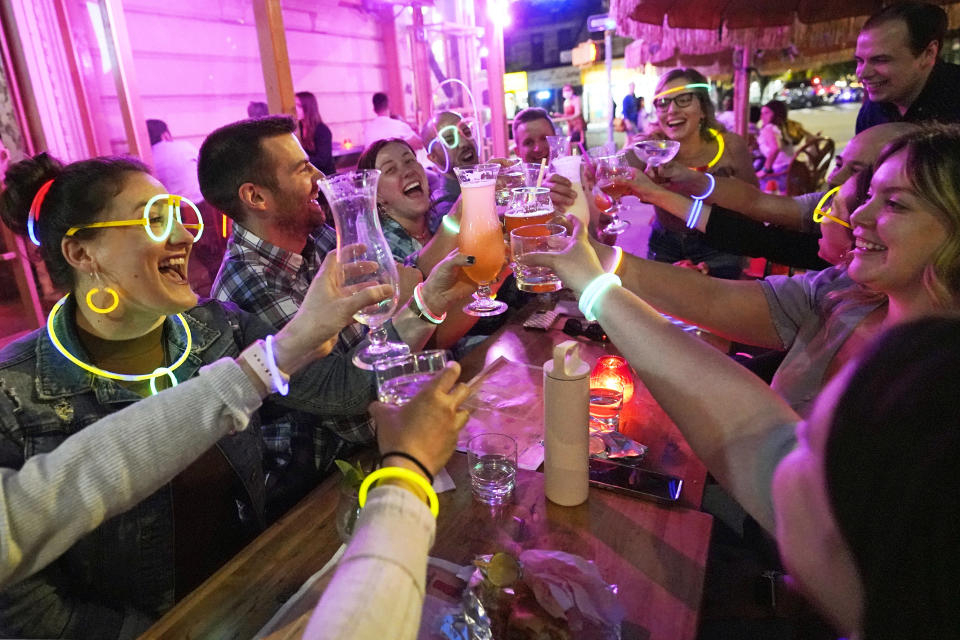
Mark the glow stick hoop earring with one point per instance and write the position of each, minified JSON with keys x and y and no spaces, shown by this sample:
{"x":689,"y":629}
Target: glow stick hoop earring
{"x":113,"y":292}
{"x":107,"y":309}
{"x":97,"y":371}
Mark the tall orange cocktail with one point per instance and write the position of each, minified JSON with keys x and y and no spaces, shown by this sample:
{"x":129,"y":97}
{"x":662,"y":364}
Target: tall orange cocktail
{"x":480,"y":234}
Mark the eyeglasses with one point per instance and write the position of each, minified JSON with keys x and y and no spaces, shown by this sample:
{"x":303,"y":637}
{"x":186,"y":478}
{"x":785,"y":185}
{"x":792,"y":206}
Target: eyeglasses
{"x":685,"y":99}
{"x":819,"y":213}
{"x":682,"y":100}
{"x":158,"y":216}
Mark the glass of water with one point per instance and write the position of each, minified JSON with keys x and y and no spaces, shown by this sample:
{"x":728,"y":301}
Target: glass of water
{"x":606,"y":402}
{"x":492,"y":460}
{"x":402,"y":377}
{"x":536,"y":238}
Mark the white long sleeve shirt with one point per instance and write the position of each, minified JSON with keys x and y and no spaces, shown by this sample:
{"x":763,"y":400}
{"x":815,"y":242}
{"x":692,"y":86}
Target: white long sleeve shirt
{"x":378,"y":589}
{"x":110,"y":466}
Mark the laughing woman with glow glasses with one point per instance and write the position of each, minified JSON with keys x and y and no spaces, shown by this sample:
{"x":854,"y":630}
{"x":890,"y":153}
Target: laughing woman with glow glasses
{"x":904,"y":264}
{"x":686,"y":114}
{"x":130,"y":326}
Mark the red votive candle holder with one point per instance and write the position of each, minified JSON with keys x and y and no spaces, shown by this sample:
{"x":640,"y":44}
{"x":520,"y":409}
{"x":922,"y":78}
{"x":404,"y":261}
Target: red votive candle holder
{"x":611,"y":384}
{"x":613,"y":372}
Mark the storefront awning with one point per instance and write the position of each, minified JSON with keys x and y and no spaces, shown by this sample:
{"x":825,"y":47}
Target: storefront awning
{"x":668,"y":28}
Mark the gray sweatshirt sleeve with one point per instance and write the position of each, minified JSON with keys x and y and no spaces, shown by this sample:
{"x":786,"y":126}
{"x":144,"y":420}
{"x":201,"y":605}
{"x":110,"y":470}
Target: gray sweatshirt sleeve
{"x":113,"y":464}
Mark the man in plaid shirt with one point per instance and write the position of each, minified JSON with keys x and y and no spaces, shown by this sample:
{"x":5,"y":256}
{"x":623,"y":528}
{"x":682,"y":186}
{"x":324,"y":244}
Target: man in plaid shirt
{"x":257,"y":173}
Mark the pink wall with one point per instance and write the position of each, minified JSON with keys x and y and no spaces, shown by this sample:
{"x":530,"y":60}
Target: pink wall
{"x":198,"y":65}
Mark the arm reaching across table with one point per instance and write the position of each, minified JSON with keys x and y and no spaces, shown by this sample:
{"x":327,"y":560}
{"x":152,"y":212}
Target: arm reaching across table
{"x":378,"y":589}
{"x":725,"y":412}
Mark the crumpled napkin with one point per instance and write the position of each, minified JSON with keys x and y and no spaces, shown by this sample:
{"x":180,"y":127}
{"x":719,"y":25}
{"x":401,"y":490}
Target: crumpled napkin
{"x":564,"y":582}
{"x":617,"y":445}
{"x":565,"y":585}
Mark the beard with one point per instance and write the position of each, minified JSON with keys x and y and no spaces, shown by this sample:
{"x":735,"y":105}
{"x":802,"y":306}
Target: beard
{"x":297,"y":216}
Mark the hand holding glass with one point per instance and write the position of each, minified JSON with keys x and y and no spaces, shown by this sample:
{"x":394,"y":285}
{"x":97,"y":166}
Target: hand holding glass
{"x":537,"y":238}
{"x":400,"y":378}
{"x":353,"y":197}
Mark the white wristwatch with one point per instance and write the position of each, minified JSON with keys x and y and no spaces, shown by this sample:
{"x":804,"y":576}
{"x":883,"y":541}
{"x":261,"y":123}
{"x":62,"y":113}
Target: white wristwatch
{"x":260,"y":357}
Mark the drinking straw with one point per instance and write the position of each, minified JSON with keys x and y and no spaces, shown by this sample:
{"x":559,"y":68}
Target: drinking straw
{"x":543,"y":167}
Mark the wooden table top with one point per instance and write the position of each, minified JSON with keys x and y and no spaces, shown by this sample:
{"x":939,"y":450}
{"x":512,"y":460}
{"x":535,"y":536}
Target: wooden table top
{"x":656,"y":556}
{"x":642,"y":419}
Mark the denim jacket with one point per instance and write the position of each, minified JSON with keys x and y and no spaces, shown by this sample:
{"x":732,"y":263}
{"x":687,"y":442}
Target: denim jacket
{"x":120,"y":577}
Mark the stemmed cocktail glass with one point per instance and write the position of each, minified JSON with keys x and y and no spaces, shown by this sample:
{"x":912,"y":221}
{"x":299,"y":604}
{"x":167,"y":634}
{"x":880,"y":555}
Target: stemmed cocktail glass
{"x":656,"y":152}
{"x":481,"y":235}
{"x":608,"y":169}
{"x":353,"y":199}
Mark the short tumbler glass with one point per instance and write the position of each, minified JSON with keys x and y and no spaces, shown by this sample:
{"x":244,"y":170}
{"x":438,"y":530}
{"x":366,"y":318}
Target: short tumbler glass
{"x":541,"y":238}
{"x":492,"y":461}
{"x":399,"y":379}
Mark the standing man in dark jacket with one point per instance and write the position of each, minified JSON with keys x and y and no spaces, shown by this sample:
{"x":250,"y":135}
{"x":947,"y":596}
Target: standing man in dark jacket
{"x":898,"y":63}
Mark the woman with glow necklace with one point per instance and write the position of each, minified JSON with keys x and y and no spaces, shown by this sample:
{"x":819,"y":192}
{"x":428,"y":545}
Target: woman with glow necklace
{"x":686,"y":114}
{"x":129,"y":327}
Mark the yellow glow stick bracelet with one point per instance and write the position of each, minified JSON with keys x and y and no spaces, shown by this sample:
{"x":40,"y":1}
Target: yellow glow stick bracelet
{"x":401,"y":474}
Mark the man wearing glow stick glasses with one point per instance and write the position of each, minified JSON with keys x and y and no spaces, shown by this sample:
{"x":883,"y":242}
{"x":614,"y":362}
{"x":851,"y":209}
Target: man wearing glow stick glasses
{"x":450,"y":143}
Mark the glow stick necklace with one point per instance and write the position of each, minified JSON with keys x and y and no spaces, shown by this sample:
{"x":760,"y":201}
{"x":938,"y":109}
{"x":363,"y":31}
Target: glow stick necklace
{"x":720,"y":147}
{"x":97,"y":371}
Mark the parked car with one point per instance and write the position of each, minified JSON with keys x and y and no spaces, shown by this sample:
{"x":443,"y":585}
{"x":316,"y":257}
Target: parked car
{"x":850,"y":94}
{"x":799,"y":94}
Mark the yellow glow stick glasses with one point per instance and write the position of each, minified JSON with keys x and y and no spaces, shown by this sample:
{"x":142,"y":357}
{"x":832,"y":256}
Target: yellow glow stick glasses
{"x":819,"y":213}
{"x":156,"y":222}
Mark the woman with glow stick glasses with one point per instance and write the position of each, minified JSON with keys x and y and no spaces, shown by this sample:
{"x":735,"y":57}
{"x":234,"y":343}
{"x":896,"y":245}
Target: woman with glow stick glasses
{"x":905,"y":264}
{"x":866,"y":535}
{"x":130,"y":326}
{"x":686,"y":114}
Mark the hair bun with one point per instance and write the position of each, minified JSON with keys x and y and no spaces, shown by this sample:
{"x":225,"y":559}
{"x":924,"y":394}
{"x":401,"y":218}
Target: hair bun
{"x":23,"y":180}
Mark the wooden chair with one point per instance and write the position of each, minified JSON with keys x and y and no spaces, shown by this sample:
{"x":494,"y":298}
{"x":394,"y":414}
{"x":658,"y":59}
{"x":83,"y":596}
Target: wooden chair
{"x":808,"y":169}
{"x":13,"y":250}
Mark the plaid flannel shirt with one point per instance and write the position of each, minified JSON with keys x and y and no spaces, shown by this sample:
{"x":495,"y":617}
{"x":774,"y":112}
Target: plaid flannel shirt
{"x":271,"y":283}
{"x":444,"y":192}
{"x":405,"y":248}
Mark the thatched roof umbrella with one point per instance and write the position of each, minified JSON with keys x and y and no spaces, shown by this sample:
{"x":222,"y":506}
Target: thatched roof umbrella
{"x":723,"y":36}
